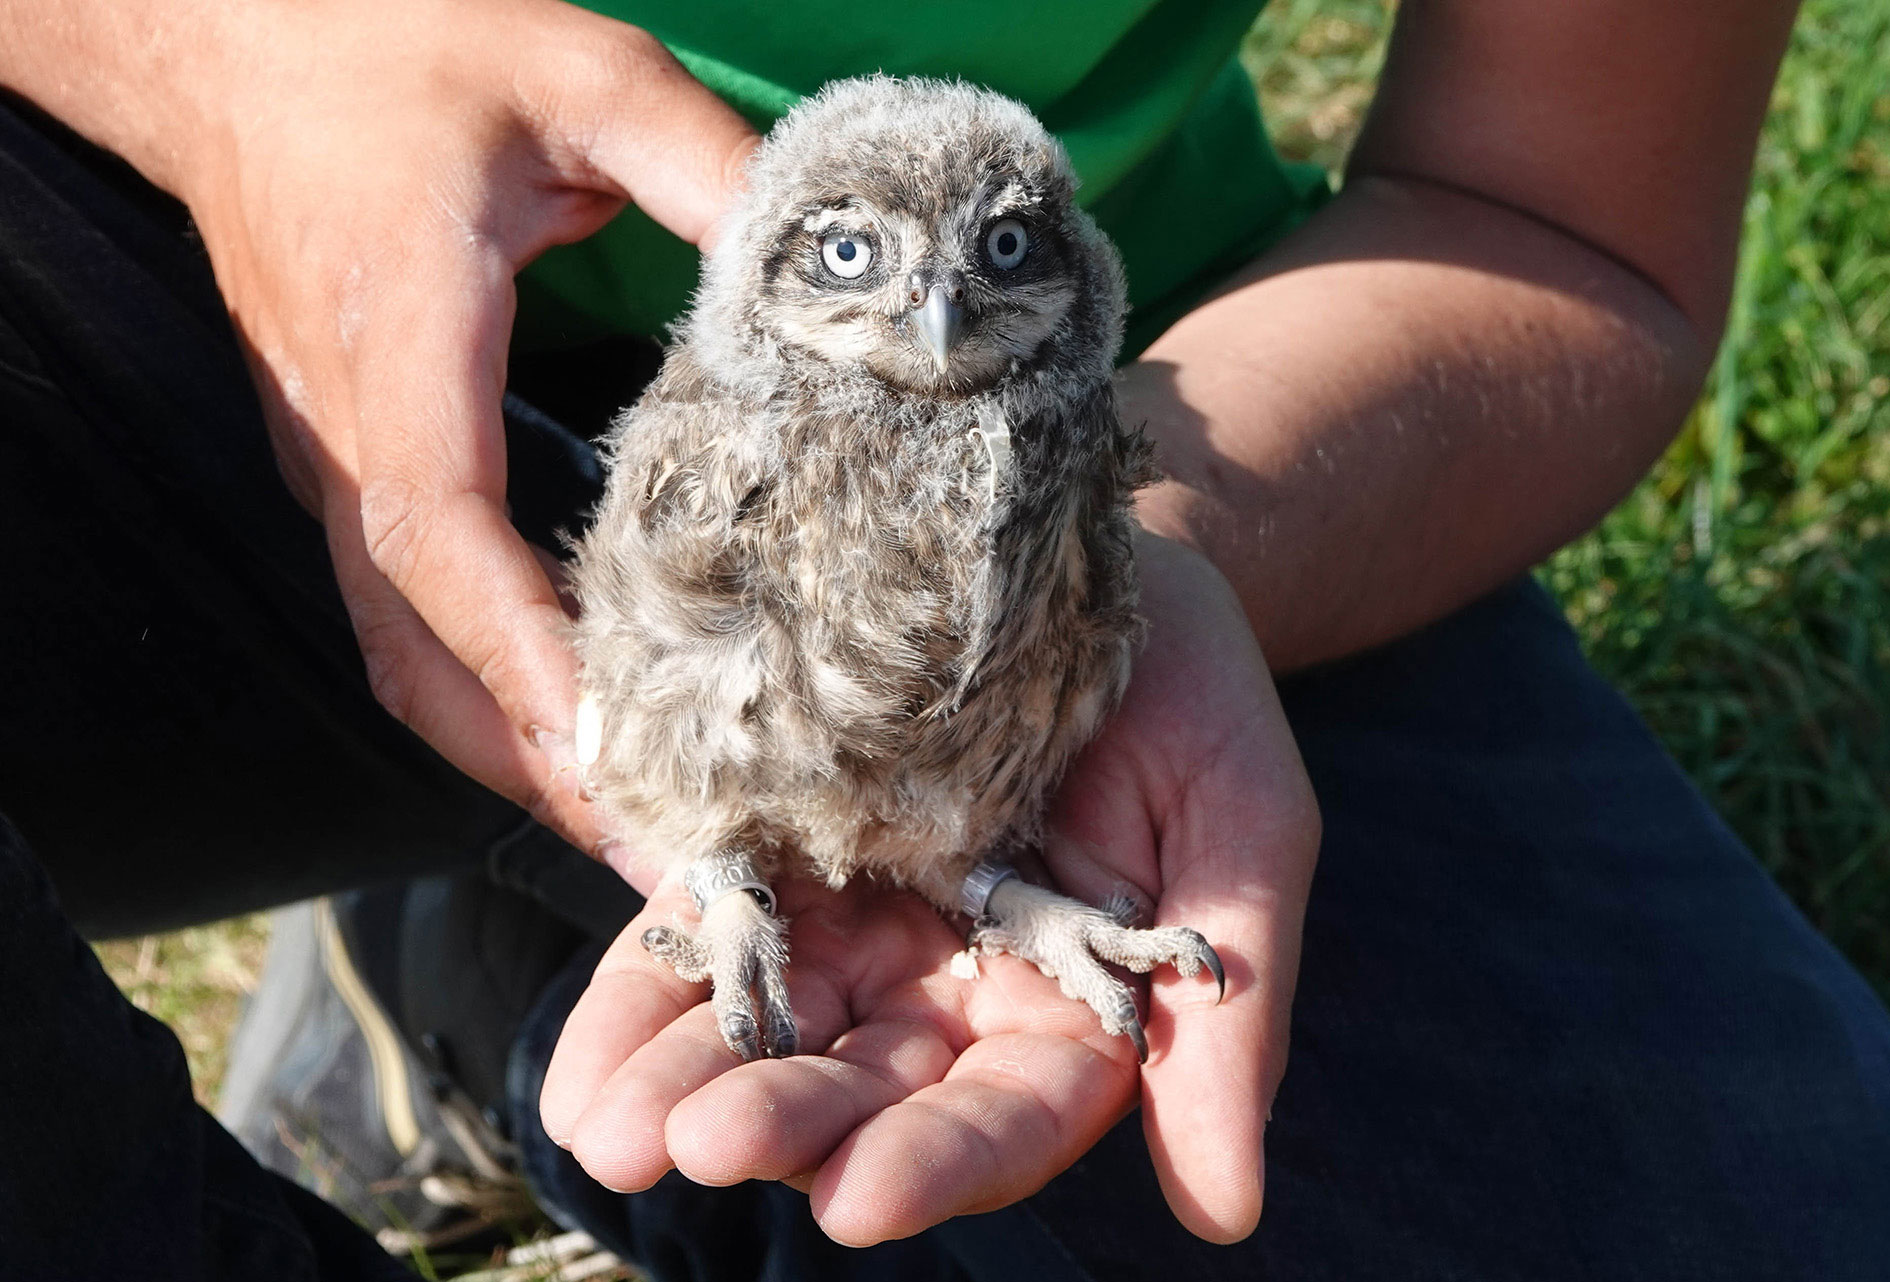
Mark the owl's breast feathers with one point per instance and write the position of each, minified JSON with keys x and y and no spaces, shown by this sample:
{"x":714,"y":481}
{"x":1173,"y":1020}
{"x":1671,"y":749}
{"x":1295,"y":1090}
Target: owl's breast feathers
{"x":868,"y":628}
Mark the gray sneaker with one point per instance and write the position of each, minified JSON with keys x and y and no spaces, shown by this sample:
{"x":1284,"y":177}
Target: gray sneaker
{"x":323,"y":1088}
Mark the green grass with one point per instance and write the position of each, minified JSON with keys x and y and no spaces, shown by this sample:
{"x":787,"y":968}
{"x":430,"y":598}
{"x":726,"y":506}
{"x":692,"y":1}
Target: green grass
{"x":1741,"y":596}
{"x":194,"y":980}
{"x":1314,"y":63}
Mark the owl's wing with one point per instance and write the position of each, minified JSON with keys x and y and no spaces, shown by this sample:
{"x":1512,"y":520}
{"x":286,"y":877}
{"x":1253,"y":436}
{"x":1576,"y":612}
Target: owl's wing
{"x":659,"y":566}
{"x":1061,"y":481}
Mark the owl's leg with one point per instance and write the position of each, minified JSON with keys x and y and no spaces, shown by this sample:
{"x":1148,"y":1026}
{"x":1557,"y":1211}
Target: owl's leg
{"x":740,"y":948}
{"x":1069,"y":941}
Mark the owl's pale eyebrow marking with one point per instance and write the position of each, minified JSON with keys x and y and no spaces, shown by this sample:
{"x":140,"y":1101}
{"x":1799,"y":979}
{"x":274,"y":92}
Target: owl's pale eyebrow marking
{"x":1012,"y":196}
{"x":852,"y":214}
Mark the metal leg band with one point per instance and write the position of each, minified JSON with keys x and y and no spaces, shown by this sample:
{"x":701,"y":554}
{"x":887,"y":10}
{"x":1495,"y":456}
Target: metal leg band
{"x":980,"y":884}
{"x":723,"y":873}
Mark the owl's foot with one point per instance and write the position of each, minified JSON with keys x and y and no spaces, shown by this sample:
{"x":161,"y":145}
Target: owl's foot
{"x":741,"y":949}
{"x":1069,"y":941}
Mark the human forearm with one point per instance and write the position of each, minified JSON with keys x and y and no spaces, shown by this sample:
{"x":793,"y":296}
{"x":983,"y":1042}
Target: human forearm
{"x":1475,"y":350}
{"x":1415,"y":397}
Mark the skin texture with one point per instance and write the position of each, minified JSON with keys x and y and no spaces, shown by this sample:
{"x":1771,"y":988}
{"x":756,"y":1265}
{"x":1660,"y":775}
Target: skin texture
{"x":1455,"y":366}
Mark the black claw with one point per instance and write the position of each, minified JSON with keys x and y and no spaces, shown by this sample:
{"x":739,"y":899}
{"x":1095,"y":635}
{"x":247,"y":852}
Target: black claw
{"x":1140,"y":1038}
{"x":1131,"y":1021}
{"x":784,"y":1037}
{"x":739,"y":1032}
{"x":1205,"y":954}
{"x":777,"y":1014}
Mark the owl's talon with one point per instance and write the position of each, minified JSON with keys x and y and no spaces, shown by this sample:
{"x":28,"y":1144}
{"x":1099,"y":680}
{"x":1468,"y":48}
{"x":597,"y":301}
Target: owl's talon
{"x":738,"y":1030}
{"x":1126,"y":1020}
{"x":741,"y":949}
{"x":1069,"y":941}
{"x":1133,"y":1027}
{"x":784,"y":1038}
{"x":1195,"y":953}
{"x":1206,"y":956}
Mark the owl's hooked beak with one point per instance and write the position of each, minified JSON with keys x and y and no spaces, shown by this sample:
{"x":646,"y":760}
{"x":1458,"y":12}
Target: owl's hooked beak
{"x":939,"y":321}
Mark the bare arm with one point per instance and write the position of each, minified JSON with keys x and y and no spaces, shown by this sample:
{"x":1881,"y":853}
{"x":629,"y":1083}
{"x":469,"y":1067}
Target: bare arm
{"x":1479,"y":347}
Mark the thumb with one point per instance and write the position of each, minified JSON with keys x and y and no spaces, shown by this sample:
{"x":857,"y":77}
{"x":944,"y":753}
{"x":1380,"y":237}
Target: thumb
{"x":641,"y":128}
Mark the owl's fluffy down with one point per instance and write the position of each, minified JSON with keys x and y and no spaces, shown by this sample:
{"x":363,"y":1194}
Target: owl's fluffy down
{"x":843,"y":624}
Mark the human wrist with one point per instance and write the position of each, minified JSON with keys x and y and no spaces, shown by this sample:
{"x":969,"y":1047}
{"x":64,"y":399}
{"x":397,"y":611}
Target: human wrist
{"x":137,"y":77}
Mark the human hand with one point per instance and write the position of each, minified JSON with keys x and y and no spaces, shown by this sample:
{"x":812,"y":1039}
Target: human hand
{"x":372,"y":179}
{"x":934,"y":1096}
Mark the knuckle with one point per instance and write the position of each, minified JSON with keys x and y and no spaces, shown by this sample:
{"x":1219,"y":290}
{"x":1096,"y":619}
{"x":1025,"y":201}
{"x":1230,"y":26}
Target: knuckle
{"x":638,"y":47}
{"x":394,"y":526}
{"x":606,"y":56}
{"x":630,"y":52}
{"x":490,"y":661}
{"x":391,"y":675}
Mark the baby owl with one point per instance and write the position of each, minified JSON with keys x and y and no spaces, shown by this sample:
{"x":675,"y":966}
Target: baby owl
{"x":862,"y":581}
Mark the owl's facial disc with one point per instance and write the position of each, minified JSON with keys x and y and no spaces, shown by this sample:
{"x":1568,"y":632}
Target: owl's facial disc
{"x":946,"y":294}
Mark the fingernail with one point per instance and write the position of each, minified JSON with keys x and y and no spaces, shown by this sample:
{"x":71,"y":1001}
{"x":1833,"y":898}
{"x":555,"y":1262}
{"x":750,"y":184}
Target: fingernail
{"x":556,"y":748}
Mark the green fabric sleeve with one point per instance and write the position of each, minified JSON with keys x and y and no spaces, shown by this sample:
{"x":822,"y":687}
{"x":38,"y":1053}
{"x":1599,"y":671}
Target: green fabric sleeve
{"x":1159,"y":119}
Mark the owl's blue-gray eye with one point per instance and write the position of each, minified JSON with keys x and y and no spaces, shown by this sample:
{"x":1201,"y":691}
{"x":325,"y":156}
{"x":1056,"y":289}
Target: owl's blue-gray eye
{"x":1007,"y":242}
{"x":846,"y":254}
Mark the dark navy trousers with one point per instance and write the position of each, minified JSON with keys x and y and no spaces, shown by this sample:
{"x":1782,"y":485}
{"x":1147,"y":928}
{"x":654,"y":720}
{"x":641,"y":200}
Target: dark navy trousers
{"x":1554,"y":1022}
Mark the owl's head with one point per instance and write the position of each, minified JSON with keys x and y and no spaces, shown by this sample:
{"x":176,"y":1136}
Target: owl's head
{"x":922,"y":232}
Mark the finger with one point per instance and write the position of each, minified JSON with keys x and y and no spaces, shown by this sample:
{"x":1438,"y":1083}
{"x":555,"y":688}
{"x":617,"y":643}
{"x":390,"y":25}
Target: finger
{"x":775,"y":1118}
{"x":1015,"y":1110}
{"x":631,"y":997}
{"x":635,"y":122}
{"x":424,"y":685}
{"x":619,"y":1138}
{"x":622,"y":1138}
{"x":1237,"y":857}
{"x":431,"y":454}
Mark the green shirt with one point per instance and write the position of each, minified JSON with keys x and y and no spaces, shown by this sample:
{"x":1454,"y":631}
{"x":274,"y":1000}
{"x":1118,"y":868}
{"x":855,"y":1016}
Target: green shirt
{"x":1159,"y":119}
